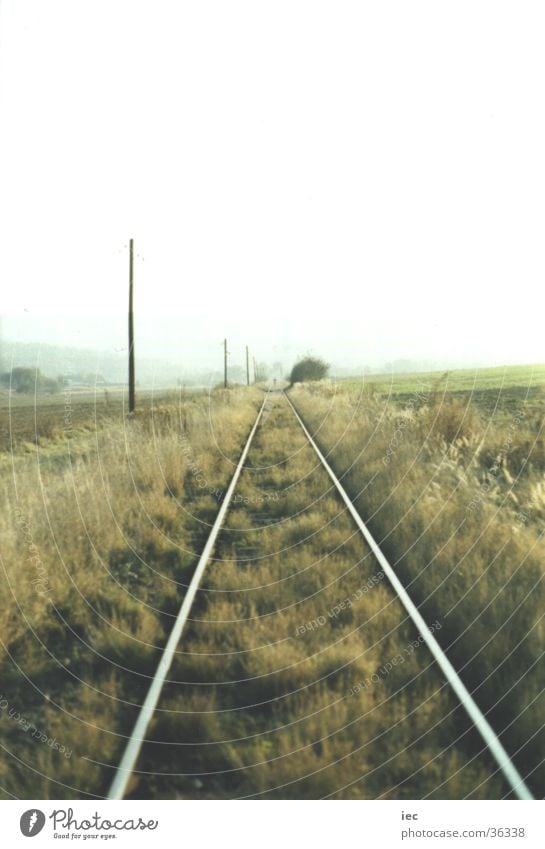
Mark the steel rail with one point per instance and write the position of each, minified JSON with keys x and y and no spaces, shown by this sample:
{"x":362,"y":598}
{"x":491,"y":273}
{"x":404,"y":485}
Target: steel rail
{"x":491,"y":739}
{"x":134,"y":743}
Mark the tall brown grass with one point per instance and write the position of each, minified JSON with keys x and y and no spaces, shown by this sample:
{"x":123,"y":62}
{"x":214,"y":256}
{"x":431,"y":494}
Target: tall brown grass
{"x":277,"y":690}
{"x":456,"y":500}
{"x":285,"y":684}
{"x":100,"y":533}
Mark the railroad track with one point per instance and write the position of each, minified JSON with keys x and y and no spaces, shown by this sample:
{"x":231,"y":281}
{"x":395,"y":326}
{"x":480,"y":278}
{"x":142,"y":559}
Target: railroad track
{"x":129,"y":763}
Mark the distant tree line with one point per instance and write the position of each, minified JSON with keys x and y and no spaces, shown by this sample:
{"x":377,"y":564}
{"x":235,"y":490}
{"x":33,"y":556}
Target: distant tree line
{"x":29,"y":380}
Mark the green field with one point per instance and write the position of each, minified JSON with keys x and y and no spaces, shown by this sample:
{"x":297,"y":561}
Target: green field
{"x":457,"y":380}
{"x":491,"y":390}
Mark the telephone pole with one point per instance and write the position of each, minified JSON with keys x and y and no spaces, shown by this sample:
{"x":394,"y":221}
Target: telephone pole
{"x":131,"y":328}
{"x":225,"y":363}
{"x":247,"y":366}
{"x":255,"y":370}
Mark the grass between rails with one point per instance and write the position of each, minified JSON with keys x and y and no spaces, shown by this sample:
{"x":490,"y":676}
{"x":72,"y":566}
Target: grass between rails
{"x":457,"y":502}
{"x":300,"y":676}
{"x":100,"y":535}
{"x":108,"y":529}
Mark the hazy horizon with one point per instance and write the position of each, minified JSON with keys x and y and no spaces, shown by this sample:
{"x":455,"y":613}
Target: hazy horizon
{"x":196,"y":347}
{"x":334,"y":205}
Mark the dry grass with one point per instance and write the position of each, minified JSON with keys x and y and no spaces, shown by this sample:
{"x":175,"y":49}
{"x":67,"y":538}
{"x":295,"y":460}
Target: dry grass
{"x":457,"y":502}
{"x":279,"y":689}
{"x":264,"y":699}
{"x":100,"y":533}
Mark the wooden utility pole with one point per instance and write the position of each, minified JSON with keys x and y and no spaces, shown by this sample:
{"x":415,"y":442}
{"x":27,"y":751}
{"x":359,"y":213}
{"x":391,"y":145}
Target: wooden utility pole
{"x":255,"y":370}
{"x":131,"y":328}
{"x":225,"y":363}
{"x":247,"y":366}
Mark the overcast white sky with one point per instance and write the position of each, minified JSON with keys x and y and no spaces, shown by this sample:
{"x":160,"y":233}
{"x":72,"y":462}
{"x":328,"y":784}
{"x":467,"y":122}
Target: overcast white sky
{"x":362,"y":179}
